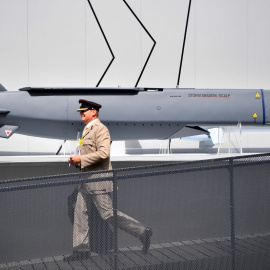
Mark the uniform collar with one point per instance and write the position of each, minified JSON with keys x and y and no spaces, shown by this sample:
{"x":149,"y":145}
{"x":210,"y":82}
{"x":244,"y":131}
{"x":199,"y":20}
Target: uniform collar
{"x":91,"y":123}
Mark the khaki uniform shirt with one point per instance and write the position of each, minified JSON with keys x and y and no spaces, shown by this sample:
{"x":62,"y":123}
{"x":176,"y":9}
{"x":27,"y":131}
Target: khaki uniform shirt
{"x":95,"y":156}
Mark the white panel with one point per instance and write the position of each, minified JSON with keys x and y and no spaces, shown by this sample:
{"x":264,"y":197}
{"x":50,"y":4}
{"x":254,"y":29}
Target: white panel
{"x":57,"y":42}
{"x":13,"y":45}
{"x":221,"y":44}
{"x":259,"y":44}
{"x":27,"y":145}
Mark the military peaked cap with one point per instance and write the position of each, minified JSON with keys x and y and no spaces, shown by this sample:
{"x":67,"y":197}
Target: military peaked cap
{"x":88,"y":105}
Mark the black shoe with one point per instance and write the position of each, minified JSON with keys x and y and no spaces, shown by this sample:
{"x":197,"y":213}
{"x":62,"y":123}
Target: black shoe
{"x":145,"y":239}
{"x":77,"y":256}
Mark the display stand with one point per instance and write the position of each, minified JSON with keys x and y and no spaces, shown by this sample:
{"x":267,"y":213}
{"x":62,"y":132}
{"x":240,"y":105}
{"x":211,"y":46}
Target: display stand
{"x":230,"y":140}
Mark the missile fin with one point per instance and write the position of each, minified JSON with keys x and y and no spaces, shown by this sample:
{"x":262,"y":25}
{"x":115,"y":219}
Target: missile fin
{"x":4,"y":111}
{"x":2,"y":88}
{"x":7,"y":131}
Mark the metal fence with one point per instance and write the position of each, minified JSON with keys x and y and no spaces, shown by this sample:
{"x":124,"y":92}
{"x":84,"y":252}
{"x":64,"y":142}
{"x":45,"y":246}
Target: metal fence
{"x":212,"y":214}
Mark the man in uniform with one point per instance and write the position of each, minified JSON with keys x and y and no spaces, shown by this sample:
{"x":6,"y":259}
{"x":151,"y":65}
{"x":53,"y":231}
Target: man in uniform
{"x":95,"y":156}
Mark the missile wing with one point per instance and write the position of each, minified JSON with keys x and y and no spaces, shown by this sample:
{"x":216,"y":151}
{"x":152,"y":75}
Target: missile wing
{"x":131,"y":113}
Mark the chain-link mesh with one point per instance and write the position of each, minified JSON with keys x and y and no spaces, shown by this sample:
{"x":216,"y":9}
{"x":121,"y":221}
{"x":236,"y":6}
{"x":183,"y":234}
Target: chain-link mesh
{"x":211,"y":214}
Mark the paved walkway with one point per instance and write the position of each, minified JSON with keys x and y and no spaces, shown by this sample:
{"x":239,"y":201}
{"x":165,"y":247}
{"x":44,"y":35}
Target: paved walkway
{"x":251,"y":252}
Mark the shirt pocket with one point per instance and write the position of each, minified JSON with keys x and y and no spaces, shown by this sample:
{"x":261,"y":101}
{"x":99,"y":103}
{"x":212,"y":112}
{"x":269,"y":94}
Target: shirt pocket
{"x":88,"y":145}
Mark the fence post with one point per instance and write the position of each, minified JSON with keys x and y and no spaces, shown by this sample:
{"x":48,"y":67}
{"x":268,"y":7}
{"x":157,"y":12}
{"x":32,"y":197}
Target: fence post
{"x":115,"y":237}
{"x":232,"y":212}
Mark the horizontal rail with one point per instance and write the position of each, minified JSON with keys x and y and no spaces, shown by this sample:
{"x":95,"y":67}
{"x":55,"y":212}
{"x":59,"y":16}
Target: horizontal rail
{"x":85,"y":177}
{"x":137,"y":168}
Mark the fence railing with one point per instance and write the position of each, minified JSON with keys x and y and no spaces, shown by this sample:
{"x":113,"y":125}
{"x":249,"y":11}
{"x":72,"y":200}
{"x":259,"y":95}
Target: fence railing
{"x":211,"y":213}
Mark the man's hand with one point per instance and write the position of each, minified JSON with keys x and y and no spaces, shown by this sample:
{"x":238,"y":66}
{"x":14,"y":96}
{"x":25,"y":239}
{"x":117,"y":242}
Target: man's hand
{"x":74,"y":160}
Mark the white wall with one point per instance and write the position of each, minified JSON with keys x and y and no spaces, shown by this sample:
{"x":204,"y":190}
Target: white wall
{"x":58,"y":43}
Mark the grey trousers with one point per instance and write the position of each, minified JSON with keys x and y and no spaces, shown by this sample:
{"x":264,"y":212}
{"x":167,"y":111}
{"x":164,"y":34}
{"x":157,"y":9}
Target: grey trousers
{"x":103,"y":203}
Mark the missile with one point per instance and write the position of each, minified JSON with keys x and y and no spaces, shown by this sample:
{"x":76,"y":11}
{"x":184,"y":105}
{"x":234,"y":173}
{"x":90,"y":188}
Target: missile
{"x":130,"y":113}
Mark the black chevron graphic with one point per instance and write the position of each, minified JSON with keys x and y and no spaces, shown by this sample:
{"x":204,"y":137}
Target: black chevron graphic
{"x":149,"y":55}
{"x":104,"y":36}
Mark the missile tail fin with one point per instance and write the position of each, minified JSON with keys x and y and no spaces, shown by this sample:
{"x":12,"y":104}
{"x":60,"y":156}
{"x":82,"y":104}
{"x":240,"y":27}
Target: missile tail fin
{"x":7,"y":131}
{"x":2,"y":88}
